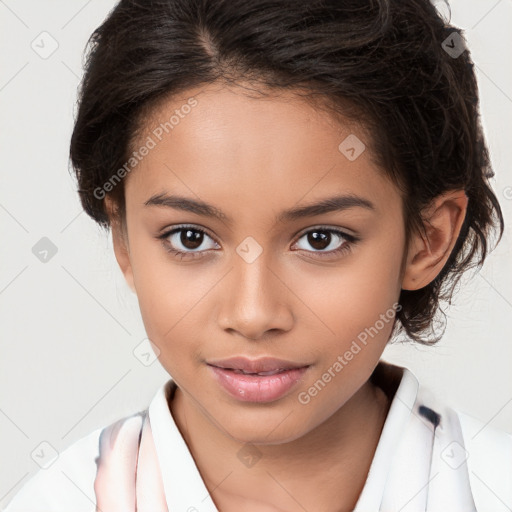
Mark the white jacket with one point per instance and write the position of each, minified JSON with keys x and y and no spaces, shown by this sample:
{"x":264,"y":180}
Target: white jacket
{"x":429,"y":458}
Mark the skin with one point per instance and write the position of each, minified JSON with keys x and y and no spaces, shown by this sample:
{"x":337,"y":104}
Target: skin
{"x":253,"y":158}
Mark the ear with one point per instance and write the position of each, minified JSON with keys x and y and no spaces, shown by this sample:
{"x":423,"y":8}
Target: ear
{"x":120,"y":242}
{"x":427,"y":256}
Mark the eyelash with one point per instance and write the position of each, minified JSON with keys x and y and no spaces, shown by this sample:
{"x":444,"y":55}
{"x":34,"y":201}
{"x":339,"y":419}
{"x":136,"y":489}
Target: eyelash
{"x":350,"y":240}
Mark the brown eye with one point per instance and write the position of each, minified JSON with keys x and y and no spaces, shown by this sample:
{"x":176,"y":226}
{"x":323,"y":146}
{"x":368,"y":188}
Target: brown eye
{"x":187,"y":241}
{"x":326,"y":242}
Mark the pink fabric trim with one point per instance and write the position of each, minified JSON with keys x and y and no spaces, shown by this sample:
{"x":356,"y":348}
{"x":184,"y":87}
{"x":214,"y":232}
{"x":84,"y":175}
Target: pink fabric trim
{"x":128,"y":477}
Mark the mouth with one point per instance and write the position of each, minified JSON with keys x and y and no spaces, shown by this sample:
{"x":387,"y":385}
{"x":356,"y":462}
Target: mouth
{"x":264,"y":380}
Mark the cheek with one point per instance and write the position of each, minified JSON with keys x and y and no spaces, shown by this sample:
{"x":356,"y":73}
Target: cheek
{"x":360,"y":292}
{"x":359,"y":310}
{"x":167,"y":294}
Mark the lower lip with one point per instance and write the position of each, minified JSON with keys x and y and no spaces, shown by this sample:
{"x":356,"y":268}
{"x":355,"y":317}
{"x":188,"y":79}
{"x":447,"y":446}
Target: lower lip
{"x":257,"y":388}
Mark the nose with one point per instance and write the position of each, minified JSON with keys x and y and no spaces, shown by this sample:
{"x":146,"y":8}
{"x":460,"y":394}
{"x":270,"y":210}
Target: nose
{"x":255,"y":300}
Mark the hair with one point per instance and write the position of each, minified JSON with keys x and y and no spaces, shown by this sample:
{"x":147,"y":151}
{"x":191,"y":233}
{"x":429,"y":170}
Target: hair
{"x":381,"y":63}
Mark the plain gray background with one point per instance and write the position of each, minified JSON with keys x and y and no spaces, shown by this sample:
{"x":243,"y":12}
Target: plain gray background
{"x":69,"y":326}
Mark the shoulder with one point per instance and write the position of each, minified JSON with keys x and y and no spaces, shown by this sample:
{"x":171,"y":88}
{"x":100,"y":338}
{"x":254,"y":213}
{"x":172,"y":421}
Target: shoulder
{"x":484,"y":452}
{"x":68,"y":483}
{"x":489,"y":461}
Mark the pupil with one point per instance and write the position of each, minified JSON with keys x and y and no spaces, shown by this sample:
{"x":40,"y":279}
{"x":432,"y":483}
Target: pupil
{"x":191,"y":239}
{"x":318,"y":239}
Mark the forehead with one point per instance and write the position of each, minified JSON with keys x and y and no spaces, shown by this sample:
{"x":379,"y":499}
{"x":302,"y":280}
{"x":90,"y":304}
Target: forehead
{"x":216,"y":141}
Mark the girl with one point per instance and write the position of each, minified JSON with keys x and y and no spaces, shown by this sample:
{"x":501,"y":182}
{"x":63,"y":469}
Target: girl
{"x":290,"y":185}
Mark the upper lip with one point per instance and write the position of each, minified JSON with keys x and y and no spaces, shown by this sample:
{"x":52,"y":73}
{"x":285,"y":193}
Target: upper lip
{"x":263,"y":364}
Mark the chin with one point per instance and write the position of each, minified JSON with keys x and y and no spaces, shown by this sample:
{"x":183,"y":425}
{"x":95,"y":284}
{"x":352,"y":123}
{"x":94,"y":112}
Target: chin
{"x":268,"y":429}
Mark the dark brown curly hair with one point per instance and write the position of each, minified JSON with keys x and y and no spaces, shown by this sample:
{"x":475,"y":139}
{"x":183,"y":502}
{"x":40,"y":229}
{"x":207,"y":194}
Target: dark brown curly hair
{"x":384,"y":63}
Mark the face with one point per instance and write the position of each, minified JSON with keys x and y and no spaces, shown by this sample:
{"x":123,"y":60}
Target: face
{"x":317,"y":289}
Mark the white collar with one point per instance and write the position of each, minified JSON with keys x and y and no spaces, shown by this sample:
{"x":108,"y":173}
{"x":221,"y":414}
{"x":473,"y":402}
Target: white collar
{"x":392,"y":432}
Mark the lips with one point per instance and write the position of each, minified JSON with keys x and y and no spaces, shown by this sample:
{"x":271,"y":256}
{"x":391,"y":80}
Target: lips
{"x":258,"y":387}
{"x":262,"y":366}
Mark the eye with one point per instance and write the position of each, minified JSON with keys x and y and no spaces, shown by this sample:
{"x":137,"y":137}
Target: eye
{"x":186,"y":241}
{"x":330,"y":241}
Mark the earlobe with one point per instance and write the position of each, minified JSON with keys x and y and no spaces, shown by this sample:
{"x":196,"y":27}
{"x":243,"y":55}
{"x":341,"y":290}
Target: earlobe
{"x":120,"y":244}
{"x":428,"y":254}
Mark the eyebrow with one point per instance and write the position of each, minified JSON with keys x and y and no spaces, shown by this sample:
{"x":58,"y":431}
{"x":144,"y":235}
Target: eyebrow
{"x":327,"y":205}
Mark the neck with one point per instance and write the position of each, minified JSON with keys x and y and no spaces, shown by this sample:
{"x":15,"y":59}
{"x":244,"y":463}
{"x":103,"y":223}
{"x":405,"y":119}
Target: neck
{"x":324,"y":470}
